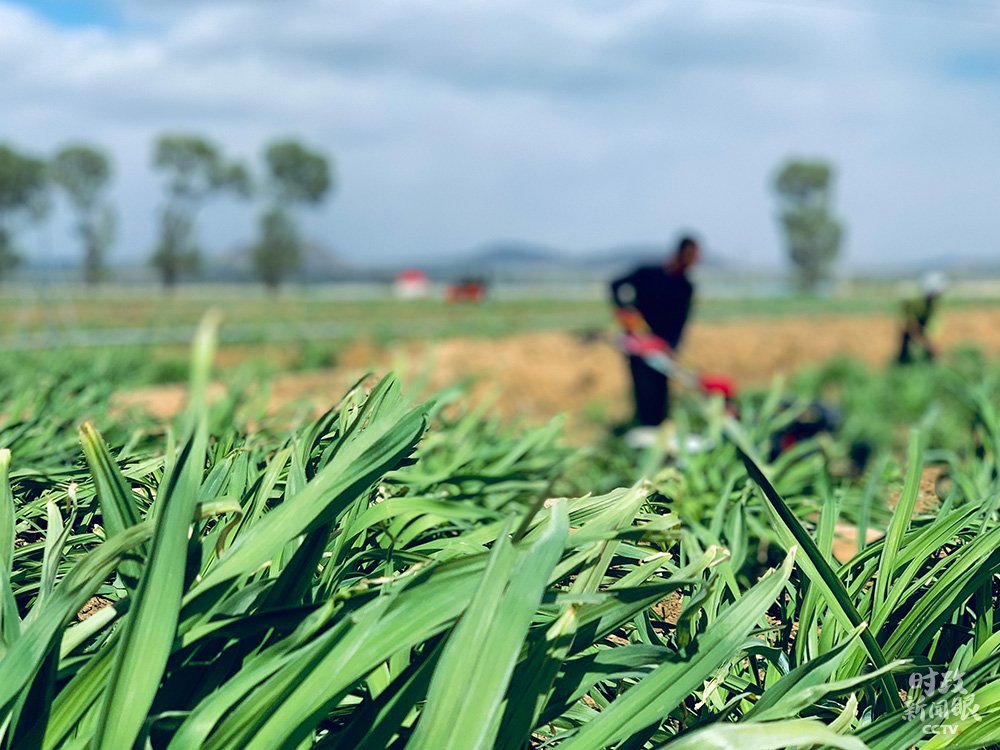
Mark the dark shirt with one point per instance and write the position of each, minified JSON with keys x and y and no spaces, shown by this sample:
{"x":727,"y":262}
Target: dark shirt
{"x":661,"y":297}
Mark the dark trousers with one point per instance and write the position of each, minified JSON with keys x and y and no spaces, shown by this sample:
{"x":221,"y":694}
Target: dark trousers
{"x":651,"y":393}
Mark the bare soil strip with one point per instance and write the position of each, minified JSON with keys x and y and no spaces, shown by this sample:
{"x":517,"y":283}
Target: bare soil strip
{"x":536,"y":376}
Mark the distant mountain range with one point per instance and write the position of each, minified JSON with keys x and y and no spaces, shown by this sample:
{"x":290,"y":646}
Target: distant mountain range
{"x":508,"y":260}
{"x":501,"y":261}
{"x":515,"y":260}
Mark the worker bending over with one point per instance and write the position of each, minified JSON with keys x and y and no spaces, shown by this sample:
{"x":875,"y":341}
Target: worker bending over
{"x":652,"y":305}
{"x":918,"y":317}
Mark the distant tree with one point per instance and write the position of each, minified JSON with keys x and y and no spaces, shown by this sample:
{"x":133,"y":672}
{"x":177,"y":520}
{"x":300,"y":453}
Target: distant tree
{"x":812,"y":233}
{"x":278,"y":248}
{"x":295,"y":177}
{"x":23,"y":196}
{"x":195,"y":172}
{"x":84,"y":173}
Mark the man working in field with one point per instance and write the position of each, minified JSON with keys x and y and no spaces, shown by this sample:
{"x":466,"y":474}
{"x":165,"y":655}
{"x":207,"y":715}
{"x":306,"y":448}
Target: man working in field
{"x":652,"y":305}
{"x":918,"y":315}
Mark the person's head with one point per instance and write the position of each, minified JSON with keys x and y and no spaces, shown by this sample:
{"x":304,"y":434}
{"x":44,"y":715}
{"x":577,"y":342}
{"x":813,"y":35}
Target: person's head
{"x":686,"y":254}
{"x":933,"y":284}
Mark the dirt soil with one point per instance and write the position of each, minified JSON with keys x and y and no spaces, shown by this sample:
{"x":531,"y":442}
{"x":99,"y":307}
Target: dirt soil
{"x":539,"y":375}
{"x":845,"y":536}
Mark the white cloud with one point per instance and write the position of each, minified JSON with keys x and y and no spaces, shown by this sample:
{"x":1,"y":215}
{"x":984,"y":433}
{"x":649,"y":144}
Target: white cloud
{"x":576,"y":124}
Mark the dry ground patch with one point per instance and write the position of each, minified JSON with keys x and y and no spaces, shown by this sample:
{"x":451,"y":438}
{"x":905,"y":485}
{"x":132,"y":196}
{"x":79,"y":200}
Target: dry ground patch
{"x":536,"y":376}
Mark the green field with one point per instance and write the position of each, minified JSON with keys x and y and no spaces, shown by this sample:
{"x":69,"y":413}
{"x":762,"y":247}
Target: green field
{"x":146,"y":330}
{"x":429,"y":576}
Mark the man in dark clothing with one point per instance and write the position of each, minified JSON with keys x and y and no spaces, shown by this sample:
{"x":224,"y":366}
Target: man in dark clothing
{"x":652,"y":305}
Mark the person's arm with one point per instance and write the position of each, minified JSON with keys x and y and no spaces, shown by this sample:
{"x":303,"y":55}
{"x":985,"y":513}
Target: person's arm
{"x":639,"y":339}
{"x":624,"y":295}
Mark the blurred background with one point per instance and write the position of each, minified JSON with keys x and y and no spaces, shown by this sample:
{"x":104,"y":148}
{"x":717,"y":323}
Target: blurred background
{"x":454,"y":183}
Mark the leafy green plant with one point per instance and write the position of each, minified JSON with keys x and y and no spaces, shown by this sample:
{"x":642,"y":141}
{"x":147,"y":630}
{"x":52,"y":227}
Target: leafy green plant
{"x":391,"y":575}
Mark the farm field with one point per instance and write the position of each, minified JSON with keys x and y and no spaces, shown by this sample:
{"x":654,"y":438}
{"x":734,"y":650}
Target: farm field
{"x":540,"y":374}
{"x":260,"y":559}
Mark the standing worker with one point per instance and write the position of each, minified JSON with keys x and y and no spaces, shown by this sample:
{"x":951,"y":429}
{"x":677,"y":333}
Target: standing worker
{"x":652,"y":305}
{"x":918,"y":315}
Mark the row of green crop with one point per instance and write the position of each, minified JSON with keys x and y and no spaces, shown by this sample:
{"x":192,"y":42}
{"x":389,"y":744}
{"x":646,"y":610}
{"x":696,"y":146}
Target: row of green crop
{"x":393,"y":575}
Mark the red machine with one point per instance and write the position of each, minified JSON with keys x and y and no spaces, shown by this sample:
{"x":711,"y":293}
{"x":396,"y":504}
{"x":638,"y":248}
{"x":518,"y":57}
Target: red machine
{"x":466,"y":291}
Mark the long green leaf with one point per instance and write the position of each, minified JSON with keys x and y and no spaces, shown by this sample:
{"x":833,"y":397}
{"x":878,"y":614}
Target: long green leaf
{"x":464,"y":702}
{"x":833,"y":588}
{"x":7,"y":513}
{"x":10,"y":621}
{"x":900,"y":521}
{"x":149,"y":629}
{"x":118,"y":507}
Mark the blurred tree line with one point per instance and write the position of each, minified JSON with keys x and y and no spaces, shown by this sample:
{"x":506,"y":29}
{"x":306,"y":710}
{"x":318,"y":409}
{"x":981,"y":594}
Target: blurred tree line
{"x":293,"y":177}
{"x":194,"y":171}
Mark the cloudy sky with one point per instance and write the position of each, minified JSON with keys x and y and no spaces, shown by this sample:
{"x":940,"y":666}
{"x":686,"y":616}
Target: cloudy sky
{"x":579,"y":125}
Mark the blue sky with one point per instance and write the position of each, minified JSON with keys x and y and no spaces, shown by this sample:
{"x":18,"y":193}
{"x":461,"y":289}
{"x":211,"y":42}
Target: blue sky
{"x":576,"y":124}
{"x":76,"y":13}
